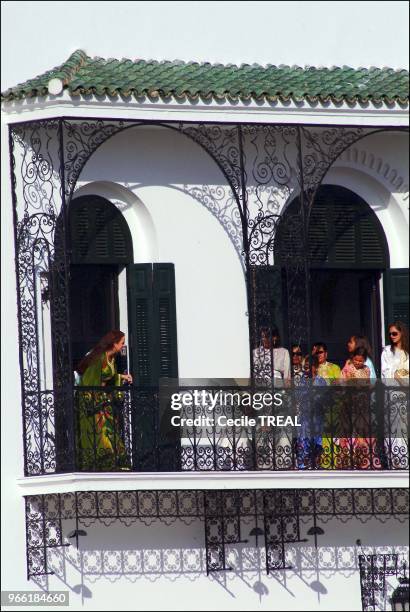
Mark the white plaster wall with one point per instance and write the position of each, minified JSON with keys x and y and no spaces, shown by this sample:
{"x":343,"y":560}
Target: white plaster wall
{"x":160,"y":171}
{"x":303,"y":33}
{"x":164,"y":568}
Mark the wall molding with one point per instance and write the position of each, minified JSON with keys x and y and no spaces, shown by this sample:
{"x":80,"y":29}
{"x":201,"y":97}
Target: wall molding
{"x":383,"y":171}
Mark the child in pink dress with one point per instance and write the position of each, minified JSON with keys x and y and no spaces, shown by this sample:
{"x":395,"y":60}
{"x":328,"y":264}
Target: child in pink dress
{"x":358,"y":453}
{"x":355,"y":367}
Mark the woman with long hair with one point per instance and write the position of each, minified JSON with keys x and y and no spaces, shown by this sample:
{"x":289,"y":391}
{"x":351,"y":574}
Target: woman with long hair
{"x":395,"y":356}
{"x":395,"y":372}
{"x":99,"y":442}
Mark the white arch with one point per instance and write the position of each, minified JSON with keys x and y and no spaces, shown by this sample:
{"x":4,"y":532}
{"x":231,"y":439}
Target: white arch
{"x":375,"y":165}
{"x":139,"y":220}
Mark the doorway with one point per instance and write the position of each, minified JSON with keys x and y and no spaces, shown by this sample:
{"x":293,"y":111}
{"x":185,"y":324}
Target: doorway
{"x":94,"y":307}
{"x":345,"y":303}
{"x":347,"y":253}
{"x":100,"y":248}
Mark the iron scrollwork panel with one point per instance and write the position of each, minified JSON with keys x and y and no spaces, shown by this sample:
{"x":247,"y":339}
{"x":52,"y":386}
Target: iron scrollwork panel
{"x":38,"y":199}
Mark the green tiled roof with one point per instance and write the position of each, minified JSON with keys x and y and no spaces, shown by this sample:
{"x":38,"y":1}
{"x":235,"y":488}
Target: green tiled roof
{"x":82,"y":75}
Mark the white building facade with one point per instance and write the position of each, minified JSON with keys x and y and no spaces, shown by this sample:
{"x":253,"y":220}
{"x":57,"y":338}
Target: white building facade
{"x":192,"y":211}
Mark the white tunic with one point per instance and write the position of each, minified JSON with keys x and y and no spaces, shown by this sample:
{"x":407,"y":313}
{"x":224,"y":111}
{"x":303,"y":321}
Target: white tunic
{"x":265,"y":369}
{"x":393,"y":361}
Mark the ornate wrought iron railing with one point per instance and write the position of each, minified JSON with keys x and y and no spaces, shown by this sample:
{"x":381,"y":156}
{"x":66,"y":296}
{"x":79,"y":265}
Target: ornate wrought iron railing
{"x":140,"y":429}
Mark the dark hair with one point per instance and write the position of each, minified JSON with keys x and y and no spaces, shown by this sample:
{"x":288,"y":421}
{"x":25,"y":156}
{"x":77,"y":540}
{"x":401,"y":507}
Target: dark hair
{"x":295,"y":345}
{"x":105,"y":344}
{"x":402,"y":327}
{"x":363,"y":342}
{"x":360,"y":351}
{"x":312,"y":360}
{"x":322,"y":345}
{"x":271,"y":332}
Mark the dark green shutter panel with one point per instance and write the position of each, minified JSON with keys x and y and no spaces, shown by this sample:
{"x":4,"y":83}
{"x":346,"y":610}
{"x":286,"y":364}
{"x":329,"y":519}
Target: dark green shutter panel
{"x":141,"y":324}
{"x":342,"y":239}
{"x":269,"y":301}
{"x":343,"y":232}
{"x":318,"y":234}
{"x":152,"y":322}
{"x":165,"y":319}
{"x":153,"y":353}
{"x":396,"y":296}
{"x":99,"y":233}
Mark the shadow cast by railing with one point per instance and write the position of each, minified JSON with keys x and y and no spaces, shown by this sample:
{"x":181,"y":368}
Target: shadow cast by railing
{"x":153,"y":552}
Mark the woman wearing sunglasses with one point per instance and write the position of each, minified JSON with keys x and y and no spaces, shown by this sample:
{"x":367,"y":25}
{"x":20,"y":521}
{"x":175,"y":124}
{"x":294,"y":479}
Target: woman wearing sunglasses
{"x":395,"y":356}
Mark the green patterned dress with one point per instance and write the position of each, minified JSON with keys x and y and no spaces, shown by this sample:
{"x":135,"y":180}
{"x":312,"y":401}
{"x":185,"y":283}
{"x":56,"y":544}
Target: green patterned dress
{"x":100,"y":446}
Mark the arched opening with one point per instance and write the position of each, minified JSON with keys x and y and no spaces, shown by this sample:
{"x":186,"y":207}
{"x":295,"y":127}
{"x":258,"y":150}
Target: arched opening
{"x":106,"y":287}
{"x":100,"y":248}
{"x":347,"y":253}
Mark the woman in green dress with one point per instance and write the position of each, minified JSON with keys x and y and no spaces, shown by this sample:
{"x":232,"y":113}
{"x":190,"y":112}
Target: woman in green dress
{"x":99,"y":442}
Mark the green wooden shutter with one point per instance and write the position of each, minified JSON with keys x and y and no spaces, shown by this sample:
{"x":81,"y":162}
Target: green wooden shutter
{"x":344,"y":232}
{"x":152,"y":322}
{"x":141,"y":324}
{"x":99,"y":233}
{"x":153,"y":354}
{"x":165,"y":320}
{"x":396,"y":296}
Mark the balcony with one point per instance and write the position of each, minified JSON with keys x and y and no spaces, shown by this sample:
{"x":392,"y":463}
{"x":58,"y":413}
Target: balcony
{"x":311,"y":435}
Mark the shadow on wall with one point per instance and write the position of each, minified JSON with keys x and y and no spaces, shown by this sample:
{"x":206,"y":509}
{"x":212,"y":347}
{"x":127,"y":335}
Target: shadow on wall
{"x":151,"y":550}
{"x":217,"y":199}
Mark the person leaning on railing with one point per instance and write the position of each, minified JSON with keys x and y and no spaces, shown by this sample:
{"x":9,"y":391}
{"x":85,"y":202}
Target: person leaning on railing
{"x":99,"y":443}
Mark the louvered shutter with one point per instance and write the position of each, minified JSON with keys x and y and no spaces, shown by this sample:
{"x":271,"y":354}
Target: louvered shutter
{"x":342,"y":239}
{"x":165,"y":319}
{"x":153,"y":350}
{"x":396,"y":296}
{"x":372,"y":247}
{"x":343,"y":232}
{"x":141,"y":324}
{"x":152,"y":322}
{"x":319,"y":235}
{"x":99,"y":234}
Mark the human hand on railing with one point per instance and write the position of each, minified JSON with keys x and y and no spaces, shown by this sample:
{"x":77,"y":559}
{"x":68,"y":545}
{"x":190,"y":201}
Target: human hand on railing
{"x":402,"y":376}
{"x":126,"y":378}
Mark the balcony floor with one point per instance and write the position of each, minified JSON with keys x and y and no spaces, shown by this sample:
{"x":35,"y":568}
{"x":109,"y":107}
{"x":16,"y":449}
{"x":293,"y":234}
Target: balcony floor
{"x":159,"y":481}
